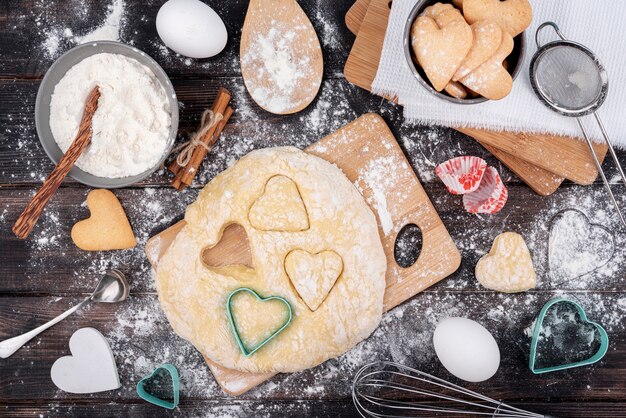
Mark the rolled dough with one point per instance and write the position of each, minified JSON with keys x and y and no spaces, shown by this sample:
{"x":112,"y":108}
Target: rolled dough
{"x":194,"y":295}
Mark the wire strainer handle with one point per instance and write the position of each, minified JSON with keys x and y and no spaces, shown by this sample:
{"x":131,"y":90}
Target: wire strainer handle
{"x":543,"y":26}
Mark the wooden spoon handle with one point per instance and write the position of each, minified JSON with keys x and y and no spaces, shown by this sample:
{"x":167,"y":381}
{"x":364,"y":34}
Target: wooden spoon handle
{"x":27,"y":220}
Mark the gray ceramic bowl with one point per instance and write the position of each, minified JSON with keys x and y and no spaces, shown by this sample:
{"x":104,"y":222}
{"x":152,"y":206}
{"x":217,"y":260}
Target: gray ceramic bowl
{"x":515,"y":59}
{"x":54,"y":75}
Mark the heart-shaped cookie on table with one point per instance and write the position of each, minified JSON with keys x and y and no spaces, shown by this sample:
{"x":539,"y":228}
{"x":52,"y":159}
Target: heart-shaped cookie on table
{"x":514,"y":16}
{"x":107,"y":228}
{"x":508,"y":267}
{"x":486,"y":41}
{"x":256,"y":320}
{"x":91,"y":367}
{"x":280,"y":207}
{"x":440,"y":50}
{"x":491,"y":79}
{"x":569,"y":339}
{"x":576,"y":246}
{"x":150,"y":388}
{"x":313,"y":275}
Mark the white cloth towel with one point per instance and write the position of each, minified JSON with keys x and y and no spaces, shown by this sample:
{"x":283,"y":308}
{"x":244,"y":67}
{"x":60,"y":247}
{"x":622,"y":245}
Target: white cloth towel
{"x":598,"y":24}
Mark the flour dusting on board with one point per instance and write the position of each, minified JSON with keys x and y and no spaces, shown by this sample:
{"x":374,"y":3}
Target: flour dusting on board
{"x":274,"y":64}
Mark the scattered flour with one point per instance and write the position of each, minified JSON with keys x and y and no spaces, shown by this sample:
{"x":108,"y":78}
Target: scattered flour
{"x":274,"y":64}
{"x":110,"y":29}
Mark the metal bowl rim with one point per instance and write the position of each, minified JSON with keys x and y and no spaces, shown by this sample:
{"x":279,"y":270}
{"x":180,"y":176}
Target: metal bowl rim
{"x":51,"y":147}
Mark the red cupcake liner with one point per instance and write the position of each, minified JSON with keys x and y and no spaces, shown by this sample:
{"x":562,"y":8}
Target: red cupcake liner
{"x":490,"y":196}
{"x":462,"y":175}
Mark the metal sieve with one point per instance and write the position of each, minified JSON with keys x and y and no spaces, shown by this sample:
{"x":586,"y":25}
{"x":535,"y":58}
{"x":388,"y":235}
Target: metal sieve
{"x":569,"y":79}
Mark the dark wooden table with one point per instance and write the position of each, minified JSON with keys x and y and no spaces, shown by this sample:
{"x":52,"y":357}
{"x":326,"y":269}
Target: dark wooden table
{"x":46,"y":274}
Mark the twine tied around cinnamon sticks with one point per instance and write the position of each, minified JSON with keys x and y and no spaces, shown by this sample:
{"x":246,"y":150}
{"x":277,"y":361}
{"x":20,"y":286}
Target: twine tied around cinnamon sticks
{"x":185,"y":150}
{"x":192,"y":153}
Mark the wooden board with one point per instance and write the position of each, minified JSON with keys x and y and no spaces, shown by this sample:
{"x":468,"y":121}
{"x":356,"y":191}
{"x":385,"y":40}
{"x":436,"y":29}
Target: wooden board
{"x":541,"y":151}
{"x":356,"y":15}
{"x":357,"y":148}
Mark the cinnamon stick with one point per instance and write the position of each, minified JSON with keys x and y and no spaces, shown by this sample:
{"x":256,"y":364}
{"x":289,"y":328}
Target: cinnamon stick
{"x":27,"y":220}
{"x":219,"y":105}
{"x":181,"y":182}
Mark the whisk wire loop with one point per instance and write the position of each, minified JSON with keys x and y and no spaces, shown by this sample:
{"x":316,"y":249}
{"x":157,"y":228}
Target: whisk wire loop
{"x":385,"y":389}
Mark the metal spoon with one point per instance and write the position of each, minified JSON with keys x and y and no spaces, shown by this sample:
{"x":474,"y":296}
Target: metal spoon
{"x":111,"y":288}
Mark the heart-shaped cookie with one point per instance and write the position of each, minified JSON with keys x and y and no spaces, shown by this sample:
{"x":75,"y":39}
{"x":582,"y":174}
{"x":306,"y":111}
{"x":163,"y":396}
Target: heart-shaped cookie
{"x":508,"y":267}
{"x":156,"y":379}
{"x":440,"y":50}
{"x":280,"y":207}
{"x":253,"y":326}
{"x":514,"y":16}
{"x":577,"y":247}
{"x":107,"y":228}
{"x":491,"y":79}
{"x":91,"y":367}
{"x":313,"y":275}
{"x":540,"y":331}
{"x":486,"y":41}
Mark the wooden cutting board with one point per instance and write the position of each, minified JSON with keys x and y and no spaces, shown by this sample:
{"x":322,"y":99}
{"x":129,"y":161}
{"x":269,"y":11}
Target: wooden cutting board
{"x":542,"y":161}
{"x":368,"y":153}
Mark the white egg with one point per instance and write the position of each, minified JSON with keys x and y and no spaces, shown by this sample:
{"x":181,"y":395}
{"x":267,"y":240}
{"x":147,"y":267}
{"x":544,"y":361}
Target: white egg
{"x":191,"y":28}
{"x":466,"y":349}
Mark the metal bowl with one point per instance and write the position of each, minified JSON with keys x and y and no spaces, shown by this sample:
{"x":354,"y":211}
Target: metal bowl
{"x":515,"y":59}
{"x":56,"y":73}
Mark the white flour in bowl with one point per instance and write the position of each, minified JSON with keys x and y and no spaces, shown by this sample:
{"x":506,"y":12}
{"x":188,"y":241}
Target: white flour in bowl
{"x":131,"y":126}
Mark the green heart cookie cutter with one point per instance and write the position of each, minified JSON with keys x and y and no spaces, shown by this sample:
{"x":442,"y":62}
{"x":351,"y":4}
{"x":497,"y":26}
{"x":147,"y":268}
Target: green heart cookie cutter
{"x":604,"y":339}
{"x":171,"y":370}
{"x":245,"y":350}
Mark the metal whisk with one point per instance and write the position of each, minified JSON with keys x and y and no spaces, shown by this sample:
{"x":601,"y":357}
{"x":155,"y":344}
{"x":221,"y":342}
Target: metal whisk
{"x":387,"y":389}
{"x":569,"y":79}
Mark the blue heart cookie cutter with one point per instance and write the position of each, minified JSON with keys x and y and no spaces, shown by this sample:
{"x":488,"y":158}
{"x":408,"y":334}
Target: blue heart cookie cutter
{"x":246,"y":350}
{"x":604,"y":339}
{"x":173,"y":373}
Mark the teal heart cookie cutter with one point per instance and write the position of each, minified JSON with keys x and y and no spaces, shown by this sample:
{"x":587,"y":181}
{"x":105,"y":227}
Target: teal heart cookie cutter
{"x":604,"y":339}
{"x":173,"y":373}
{"x":246,"y":350}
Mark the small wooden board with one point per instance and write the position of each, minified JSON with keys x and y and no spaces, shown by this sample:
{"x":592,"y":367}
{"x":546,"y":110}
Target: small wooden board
{"x":356,"y":15}
{"x":362,"y":149}
{"x":531,"y":157}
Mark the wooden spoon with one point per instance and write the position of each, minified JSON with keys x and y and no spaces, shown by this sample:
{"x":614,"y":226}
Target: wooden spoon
{"x":280,"y":55}
{"x":35,"y":207}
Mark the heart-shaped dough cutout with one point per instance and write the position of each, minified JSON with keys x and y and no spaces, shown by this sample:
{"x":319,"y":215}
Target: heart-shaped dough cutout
{"x":441,"y":50}
{"x":107,"y":228}
{"x":514,"y":16}
{"x":146,"y":387}
{"x":508,"y":267}
{"x":577,"y":247}
{"x":91,"y":367}
{"x":558,"y":326}
{"x":313,"y":275}
{"x":487,"y":40}
{"x":491,"y":79}
{"x":256,"y":320}
{"x":280,"y":207}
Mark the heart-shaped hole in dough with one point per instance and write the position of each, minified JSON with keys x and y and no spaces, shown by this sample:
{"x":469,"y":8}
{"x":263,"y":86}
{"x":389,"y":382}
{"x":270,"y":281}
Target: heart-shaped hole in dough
{"x":232,"y":251}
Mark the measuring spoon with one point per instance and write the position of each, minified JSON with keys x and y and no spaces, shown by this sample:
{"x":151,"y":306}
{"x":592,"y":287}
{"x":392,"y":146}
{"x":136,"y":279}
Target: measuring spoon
{"x":111,"y":288}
